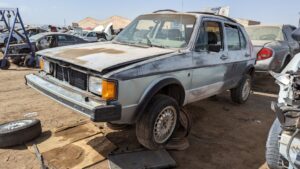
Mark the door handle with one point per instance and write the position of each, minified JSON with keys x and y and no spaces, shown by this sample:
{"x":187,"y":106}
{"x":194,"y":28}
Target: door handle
{"x":224,"y":57}
{"x":247,"y":55}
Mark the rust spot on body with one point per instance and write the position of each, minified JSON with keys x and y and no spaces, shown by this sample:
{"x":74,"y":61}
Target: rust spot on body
{"x":73,"y":53}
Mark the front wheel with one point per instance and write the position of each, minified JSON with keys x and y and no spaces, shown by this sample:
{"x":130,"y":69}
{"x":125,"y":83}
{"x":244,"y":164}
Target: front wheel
{"x":157,"y":124}
{"x":241,"y":93}
{"x":28,"y":62}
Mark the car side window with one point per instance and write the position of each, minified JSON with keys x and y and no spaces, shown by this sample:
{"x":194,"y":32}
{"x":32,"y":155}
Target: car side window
{"x":62,"y":38}
{"x":243,"y":40}
{"x":210,"y":36}
{"x":92,"y":34}
{"x":233,"y":37}
{"x":70,"y":38}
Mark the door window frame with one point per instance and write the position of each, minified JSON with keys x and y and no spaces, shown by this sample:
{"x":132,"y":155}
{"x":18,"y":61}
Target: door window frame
{"x":209,"y":19}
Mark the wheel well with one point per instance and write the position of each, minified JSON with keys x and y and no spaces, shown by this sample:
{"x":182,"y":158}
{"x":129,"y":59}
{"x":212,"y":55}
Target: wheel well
{"x":175,"y":91}
{"x":170,"y":87}
{"x":288,"y":57}
{"x":251,"y":71}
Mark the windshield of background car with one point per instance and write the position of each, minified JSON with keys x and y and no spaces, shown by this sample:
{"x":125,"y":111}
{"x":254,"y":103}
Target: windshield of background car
{"x":264,"y":33}
{"x":160,"y":30}
{"x":34,"y":38}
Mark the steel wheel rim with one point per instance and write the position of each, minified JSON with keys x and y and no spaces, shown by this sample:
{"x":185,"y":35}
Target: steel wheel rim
{"x":246,"y":89}
{"x":164,"y":124}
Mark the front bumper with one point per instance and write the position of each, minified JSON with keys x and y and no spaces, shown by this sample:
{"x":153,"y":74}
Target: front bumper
{"x":97,"y":110}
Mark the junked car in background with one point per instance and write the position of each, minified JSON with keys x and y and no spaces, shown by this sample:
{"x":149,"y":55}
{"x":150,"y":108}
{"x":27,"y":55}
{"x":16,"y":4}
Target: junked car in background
{"x":20,"y":52}
{"x":282,"y":148}
{"x":18,"y":35}
{"x":157,"y":64}
{"x":273,"y":46}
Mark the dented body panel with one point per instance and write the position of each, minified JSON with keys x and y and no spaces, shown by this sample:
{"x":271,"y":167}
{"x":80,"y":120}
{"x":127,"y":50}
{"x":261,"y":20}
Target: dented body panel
{"x":138,"y":69}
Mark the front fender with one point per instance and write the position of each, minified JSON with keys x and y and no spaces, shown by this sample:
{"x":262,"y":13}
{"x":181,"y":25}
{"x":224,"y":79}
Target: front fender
{"x":154,"y":88}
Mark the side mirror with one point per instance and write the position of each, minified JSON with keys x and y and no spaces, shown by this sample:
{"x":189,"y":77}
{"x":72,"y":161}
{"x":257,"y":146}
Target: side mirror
{"x":214,"y":48}
{"x":296,"y":35}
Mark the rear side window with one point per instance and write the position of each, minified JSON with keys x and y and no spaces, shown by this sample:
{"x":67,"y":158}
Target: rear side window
{"x":243,"y":40}
{"x":210,"y":34}
{"x":235,"y":38}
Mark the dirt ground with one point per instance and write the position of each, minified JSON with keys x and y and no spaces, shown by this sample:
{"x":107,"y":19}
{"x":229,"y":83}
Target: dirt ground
{"x":224,"y":135}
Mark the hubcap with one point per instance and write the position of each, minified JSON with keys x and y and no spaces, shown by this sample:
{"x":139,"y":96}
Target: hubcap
{"x":164,"y":124}
{"x":246,"y":89}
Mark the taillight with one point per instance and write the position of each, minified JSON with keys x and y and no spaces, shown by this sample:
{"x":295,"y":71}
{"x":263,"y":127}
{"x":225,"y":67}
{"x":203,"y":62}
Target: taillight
{"x":264,"y":53}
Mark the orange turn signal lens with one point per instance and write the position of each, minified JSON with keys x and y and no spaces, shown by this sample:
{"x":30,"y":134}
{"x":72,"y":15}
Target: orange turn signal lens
{"x":109,"y":90}
{"x":42,"y":65}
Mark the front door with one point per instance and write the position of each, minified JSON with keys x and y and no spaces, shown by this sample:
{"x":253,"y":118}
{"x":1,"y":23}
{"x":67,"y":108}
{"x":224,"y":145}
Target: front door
{"x":209,"y":61}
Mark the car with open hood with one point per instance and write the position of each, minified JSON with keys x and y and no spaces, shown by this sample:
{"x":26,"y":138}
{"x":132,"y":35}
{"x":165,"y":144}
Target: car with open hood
{"x":159,"y":63}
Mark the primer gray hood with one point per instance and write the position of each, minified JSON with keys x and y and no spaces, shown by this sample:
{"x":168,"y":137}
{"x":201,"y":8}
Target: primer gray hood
{"x":100,"y":56}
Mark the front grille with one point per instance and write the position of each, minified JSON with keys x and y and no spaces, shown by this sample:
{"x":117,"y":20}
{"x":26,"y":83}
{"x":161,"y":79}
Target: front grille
{"x":78,"y":79}
{"x":74,"y":77}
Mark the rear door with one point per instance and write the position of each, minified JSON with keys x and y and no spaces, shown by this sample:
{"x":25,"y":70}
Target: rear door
{"x":209,"y":67}
{"x":238,"y":51}
{"x":64,"y":40}
{"x":92,"y":36}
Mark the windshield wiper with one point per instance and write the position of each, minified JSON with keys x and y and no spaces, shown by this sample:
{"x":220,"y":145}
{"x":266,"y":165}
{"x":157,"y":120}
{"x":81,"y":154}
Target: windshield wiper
{"x":149,"y":43}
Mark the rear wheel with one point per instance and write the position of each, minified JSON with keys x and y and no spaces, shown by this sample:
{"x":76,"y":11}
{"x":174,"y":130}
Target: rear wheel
{"x":17,"y":60}
{"x":157,"y":124}
{"x":241,"y":93}
{"x":4,"y":64}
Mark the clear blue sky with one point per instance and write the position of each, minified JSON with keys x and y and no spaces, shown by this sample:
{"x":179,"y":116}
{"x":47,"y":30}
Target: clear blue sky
{"x":55,"y":11}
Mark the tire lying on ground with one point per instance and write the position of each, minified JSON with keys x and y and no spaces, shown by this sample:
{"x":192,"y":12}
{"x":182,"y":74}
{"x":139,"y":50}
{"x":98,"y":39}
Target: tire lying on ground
{"x":19,"y":132}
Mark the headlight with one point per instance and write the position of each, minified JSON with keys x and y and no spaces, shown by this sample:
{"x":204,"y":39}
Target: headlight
{"x":95,"y":85}
{"x":46,"y":65}
{"x":106,"y":88}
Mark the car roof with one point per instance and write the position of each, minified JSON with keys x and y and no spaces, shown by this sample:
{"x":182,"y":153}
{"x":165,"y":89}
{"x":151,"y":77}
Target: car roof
{"x":53,"y":33}
{"x":195,"y":13}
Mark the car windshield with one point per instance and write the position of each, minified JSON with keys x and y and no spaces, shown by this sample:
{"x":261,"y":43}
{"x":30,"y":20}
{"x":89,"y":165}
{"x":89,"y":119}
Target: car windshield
{"x":264,"y":33}
{"x":159,"y":30}
{"x":84,"y":33}
{"x":34,"y":38}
